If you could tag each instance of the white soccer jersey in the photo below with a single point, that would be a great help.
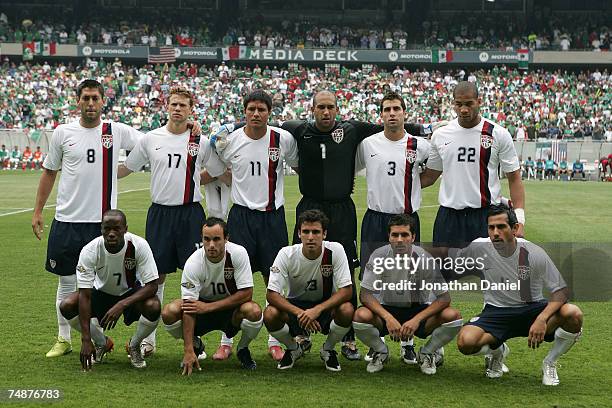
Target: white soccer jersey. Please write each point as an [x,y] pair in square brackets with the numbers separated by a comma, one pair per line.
[529,265]
[217,199]
[392,172]
[306,279]
[176,162]
[115,274]
[402,296]
[88,159]
[469,160]
[209,281]
[257,167]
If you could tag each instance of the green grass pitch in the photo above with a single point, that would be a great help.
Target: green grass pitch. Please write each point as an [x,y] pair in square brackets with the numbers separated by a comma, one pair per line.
[556,211]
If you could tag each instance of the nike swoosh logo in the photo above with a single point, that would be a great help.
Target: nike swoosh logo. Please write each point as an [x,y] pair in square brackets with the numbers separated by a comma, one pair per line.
[447,143]
[236,156]
[100,267]
[157,148]
[307,136]
[355,260]
[71,144]
[375,154]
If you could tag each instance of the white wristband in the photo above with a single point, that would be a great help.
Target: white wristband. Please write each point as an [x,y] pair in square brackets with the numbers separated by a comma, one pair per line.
[520,215]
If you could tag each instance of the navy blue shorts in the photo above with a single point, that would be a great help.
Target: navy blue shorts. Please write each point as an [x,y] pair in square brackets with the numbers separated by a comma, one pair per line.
[403,314]
[458,228]
[66,239]
[101,302]
[374,234]
[262,233]
[295,329]
[505,323]
[174,233]
[220,320]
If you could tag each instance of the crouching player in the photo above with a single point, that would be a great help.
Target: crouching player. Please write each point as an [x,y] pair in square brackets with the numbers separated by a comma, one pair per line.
[315,277]
[520,310]
[410,310]
[216,294]
[110,272]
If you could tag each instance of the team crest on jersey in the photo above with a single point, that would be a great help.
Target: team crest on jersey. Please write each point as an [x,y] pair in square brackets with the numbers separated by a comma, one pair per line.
[486,141]
[130,263]
[274,153]
[524,272]
[228,272]
[188,285]
[80,268]
[193,149]
[107,141]
[411,155]
[52,263]
[274,269]
[337,135]
[327,270]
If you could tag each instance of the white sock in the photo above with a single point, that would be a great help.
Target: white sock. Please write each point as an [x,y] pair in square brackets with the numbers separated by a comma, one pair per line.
[336,333]
[65,287]
[160,295]
[175,329]
[564,341]
[96,332]
[226,341]
[250,330]
[484,350]
[370,336]
[409,342]
[143,329]
[272,341]
[442,335]
[285,337]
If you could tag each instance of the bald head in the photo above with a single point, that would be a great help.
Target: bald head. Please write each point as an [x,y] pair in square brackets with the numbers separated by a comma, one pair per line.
[321,94]
[466,88]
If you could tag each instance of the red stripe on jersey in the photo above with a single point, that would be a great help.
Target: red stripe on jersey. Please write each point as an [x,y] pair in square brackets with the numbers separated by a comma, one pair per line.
[485,156]
[524,274]
[228,274]
[129,265]
[411,145]
[273,151]
[327,273]
[190,167]
[107,167]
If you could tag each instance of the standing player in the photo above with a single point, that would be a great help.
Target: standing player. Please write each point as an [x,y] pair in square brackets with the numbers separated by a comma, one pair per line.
[522,311]
[175,217]
[111,271]
[255,154]
[404,313]
[87,152]
[316,279]
[468,153]
[216,294]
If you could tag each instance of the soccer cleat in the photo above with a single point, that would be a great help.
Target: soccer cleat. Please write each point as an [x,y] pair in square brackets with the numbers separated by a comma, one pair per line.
[223,352]
[147,349]
[408,354]
[427,362]
[330,357]
[60,348]
[378,361]
[349,351]
[505,368]
[244,355]
[135,355]
[369,356]
[290,357]
[496,362]
[276,352]
[101,351]
[549,373]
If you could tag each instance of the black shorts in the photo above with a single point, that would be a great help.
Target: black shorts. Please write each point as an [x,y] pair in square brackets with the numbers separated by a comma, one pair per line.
[403,314]
[174,233]
[505,323]
[549,172]
[324,319]
[458,228]
[66,239]
[101,302]
[374,234]
[262,233]
[221,320]
[342,224]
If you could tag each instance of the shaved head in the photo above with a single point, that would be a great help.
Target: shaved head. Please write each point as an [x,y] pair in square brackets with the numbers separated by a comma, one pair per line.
[466,87]
[323,93]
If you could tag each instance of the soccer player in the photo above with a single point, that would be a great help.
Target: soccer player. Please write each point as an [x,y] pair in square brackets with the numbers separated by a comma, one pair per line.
[521,311]
[540,169]
[87,152]
[26,157]
[549,168]
[468,153]
[4,157]
[316,279]
[15,158]
[37,158]
[216,294]
[256,154]
[116,275]
[577,168]
[407,312]
[529,165]
[177,156]
[562,169]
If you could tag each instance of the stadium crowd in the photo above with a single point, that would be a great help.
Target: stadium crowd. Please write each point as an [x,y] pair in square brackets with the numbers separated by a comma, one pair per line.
[556,104]
[459,31]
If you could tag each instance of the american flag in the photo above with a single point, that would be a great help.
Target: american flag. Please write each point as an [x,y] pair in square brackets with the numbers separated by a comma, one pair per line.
[558,150]
[161,55]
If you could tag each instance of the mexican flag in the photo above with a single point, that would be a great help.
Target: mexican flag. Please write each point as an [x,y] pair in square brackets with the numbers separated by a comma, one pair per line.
[49,49]
[38,48]
[28,50]
[230,53]
[441,56]
[523,58]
